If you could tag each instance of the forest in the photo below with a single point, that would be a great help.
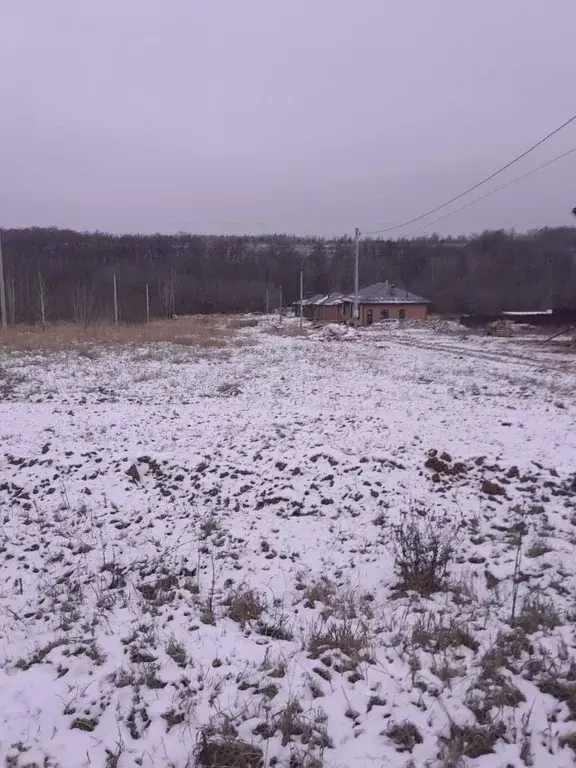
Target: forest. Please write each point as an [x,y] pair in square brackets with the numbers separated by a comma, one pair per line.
[57,274]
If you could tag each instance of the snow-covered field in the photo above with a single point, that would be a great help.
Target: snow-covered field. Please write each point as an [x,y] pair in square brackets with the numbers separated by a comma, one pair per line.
[200,553]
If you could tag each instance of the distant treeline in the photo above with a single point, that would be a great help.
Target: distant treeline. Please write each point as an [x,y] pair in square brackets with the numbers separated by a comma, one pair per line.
[71,273]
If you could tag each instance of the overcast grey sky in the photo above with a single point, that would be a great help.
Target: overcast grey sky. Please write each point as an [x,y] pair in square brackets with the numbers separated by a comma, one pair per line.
[305,116]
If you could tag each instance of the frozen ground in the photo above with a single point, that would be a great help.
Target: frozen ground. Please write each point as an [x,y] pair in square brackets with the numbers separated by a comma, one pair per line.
[199,556]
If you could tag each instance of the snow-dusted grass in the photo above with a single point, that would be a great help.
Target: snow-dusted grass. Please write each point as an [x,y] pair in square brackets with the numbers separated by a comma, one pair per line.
[214,556]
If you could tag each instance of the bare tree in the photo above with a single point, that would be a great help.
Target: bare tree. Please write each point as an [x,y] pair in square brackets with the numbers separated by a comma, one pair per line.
[169,295]
[11,297]
[82,305]
[3,310]
[115,300]
[77,303]
[44,299]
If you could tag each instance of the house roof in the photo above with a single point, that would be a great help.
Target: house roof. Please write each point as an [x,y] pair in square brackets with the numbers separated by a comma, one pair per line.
[331,300]
[378,293]
[388,293]
[311,299]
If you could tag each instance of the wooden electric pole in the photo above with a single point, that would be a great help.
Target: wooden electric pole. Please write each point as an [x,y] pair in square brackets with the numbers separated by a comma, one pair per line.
[115,302]
[280,303]
[356,271]
[3,310]
[147,303]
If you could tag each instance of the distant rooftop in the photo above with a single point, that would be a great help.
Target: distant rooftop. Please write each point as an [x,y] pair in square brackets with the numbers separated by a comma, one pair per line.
[332,299]
[388,293]
[311,299]
[378,293]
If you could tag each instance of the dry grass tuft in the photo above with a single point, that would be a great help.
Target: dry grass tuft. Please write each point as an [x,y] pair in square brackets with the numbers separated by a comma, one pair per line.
[177,652]
[321,591]
[286,330]
[220,752]
[506,652]
[537,613]
[563,690]
[538,548]
[245,605]
[469,741]
[348,636]
[230,388]
[489,694]
[299,759]
[203,331]
[436,634]
[240,322]
[405,735]
[8,382]
[568,740]
[293,723]
[41,653]
[342,601]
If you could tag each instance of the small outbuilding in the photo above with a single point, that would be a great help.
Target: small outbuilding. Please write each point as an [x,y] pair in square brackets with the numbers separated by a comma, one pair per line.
[307,306]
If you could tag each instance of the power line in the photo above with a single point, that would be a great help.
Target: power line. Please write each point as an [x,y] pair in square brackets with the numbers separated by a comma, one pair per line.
[502,186]
[478,184]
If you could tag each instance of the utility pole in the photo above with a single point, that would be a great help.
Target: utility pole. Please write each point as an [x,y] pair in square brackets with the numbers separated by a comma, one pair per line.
[115,302]
[356,260]
[2,290]
[280,303]
[267,302]
[147,303]
[301,294]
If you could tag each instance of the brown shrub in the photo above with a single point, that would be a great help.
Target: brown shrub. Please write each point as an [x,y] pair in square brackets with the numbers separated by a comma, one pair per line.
[424,546]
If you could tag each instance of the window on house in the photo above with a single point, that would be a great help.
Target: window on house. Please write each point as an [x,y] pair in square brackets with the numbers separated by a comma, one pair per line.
[384,314]
[369,317]
[401,314]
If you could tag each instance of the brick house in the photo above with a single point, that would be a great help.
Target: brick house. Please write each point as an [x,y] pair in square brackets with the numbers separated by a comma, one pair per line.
[381,301]
[385,301]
